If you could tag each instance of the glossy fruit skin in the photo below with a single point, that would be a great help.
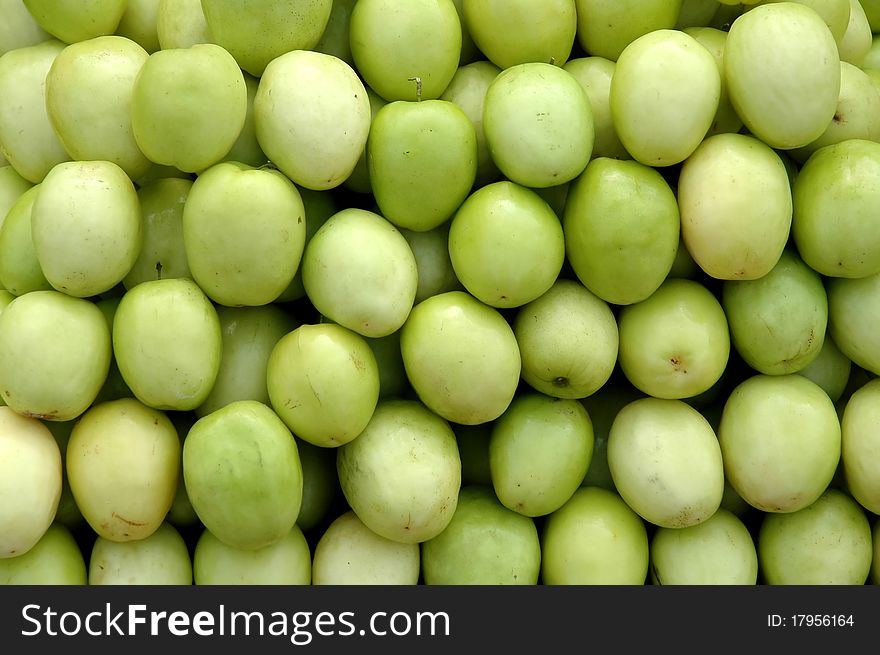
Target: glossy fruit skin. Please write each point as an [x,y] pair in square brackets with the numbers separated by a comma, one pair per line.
[167,342]
[713,39]
[312,117]
[853,311]
[665,461]
[55,559]
[830,369]
[789,103]
[415,149]
[12,186]
[77,21]
[467,89]
[285,562]
[162,253]
[836,194]
[349,553]
[188,106]
[606,27]
[323,381]
[393,52]
[860,441]
[181,24]
[249,334]
[783,423]
[594,539]
[778,321]
[29,141]
[20,270]
[243,474]
[621,224]
[518,31]
[826,542]
[568,341]
[162,558]
[835,13]
[720,551]
[86,227]
[506,245]
[538,124]
[461,357]
[20,29]
[243,233]
[736,184]
[41,373]
[30,486]
[88,99]
[255,33]
[594,74]
[676,342]
[485,543]
[431,251]
[122,462]
[539,452]
[368,290]
[402,474]
[856,117]
[662,111]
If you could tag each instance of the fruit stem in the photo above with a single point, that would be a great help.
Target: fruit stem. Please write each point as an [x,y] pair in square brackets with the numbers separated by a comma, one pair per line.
[418,81]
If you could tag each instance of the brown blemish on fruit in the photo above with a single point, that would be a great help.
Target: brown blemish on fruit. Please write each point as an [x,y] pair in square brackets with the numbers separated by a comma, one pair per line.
[49,416]
[125,520]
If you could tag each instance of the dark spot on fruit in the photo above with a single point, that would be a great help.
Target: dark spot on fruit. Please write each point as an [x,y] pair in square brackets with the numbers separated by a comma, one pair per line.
[560,381]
